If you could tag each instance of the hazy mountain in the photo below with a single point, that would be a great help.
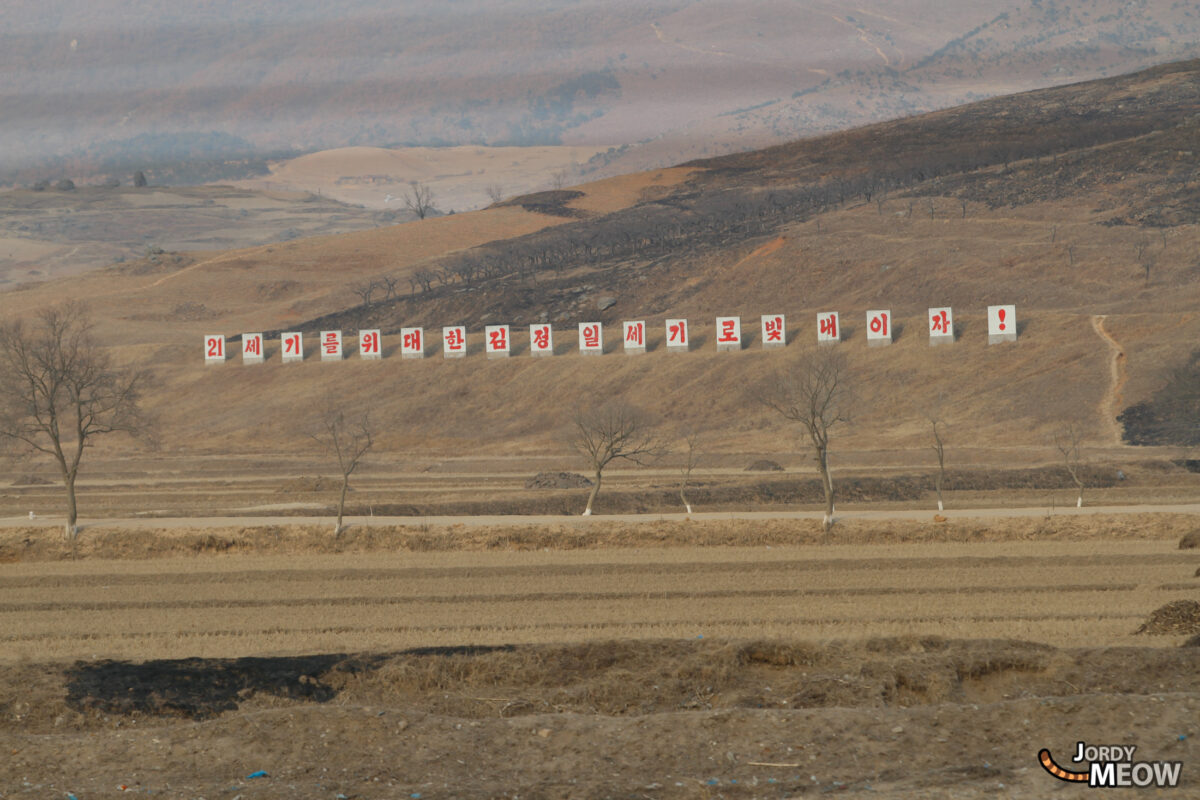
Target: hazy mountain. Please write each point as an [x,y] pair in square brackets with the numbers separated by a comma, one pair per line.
[108,85]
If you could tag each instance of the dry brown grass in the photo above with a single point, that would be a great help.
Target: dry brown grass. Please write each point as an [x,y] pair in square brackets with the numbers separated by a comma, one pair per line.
[282,595]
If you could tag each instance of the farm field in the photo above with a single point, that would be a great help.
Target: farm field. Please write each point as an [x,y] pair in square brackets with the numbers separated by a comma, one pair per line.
[703,659]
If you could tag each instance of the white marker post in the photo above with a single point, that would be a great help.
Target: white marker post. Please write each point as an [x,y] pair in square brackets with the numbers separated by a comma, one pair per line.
[541,340]
[774,331]
[291,345]
[635,337]
[1002,324]
[252,348]
[331,345]
[677,336]
[729,333]
[412,342]
[591,339]
[370,345]
[497,341]
[879,328]
[941,326]
[454,341]
[214,349]
[828,330]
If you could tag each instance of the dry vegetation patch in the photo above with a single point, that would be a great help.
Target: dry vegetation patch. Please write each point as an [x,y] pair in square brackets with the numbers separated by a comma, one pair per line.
[104,541]
[1180,616]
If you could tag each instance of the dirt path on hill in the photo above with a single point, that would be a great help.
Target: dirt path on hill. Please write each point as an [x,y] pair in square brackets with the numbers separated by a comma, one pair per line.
[1110,406]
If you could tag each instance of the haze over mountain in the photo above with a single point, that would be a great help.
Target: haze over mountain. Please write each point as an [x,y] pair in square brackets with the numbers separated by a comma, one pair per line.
[107,86]
[1077,204]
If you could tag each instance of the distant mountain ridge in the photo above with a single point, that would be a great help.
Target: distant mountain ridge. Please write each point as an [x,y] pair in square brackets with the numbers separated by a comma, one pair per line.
[1075,204]
[104,86]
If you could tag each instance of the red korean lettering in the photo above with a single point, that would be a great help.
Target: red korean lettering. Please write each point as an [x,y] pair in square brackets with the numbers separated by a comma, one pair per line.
[879,324]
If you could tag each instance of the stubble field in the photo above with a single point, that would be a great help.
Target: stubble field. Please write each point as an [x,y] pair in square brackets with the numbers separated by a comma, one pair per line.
[727,658]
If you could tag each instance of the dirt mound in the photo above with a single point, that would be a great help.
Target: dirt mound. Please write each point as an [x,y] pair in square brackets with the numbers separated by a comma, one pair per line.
[308,484]
[1180,616]
[1192,642]
[1190,540]
[557,480]
[764,465]
[31,480]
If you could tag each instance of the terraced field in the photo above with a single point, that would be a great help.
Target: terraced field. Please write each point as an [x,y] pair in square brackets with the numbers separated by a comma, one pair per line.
[1065,593]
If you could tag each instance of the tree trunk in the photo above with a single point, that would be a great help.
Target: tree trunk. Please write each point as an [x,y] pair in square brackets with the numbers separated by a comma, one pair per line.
[587,512]
[827,484]
[683,497]
[72,529]
[337,528]
[938,487]
[1079,500]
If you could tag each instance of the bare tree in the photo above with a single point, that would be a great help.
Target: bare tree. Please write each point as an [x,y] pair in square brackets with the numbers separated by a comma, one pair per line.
[366,291]
[559,178]
[388,283]
[59,391]
[495,192]
[1068,441]
[613,431]
[933,414]
[815,394]
[345,436]
[691,457]
[419,199]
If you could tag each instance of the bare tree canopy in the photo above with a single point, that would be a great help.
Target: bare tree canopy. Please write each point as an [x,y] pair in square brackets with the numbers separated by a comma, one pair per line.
[691,457]
[934,412]
[814,393]
[610,432]
[59,391]
[344,435]
[1068,441]
[419,199]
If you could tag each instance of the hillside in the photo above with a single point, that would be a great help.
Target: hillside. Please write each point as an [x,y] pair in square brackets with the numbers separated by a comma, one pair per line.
[211,91]
[1076,204]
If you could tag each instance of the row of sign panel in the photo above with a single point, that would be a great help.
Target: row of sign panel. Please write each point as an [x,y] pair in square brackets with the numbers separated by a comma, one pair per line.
[497,338]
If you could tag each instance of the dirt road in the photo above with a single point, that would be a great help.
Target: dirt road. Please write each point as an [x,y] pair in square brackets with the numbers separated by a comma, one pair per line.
[527,520]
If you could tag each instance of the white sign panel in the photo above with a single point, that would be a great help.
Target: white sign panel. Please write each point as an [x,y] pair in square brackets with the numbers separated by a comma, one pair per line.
[941,325]
[252,348]
[496,340]
[729,333]
[591,338]
[1002,324]
[635,337]
[879,327]
[774,330]
[828,331]
[291,346]
[412,342]
[370,345]
[454,341]
[541,340]
[331,345]
[214,349]
[677,335]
